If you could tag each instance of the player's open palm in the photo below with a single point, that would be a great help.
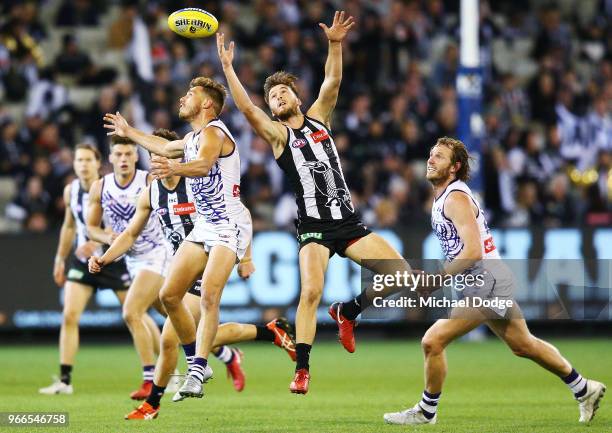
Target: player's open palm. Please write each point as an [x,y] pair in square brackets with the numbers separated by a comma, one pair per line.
[116,124]
[340,27]
[226,55]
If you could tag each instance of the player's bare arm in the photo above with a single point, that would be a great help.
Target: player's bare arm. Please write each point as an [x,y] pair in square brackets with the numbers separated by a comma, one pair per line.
[212,143]
[459,209]
[66,240]
[274,133]
[117,125]
[94,216]
[126,239]
[323,107]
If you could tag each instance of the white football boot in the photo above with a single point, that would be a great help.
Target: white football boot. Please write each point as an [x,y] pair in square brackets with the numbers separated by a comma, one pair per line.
[589,402]
[57,387]
[412,416]
[175,382]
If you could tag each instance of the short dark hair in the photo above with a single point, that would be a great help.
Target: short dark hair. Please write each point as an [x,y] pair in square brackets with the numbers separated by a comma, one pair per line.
[459,155]
[280,77]
[166,133]
[91,147]
[215,90]
[115,139]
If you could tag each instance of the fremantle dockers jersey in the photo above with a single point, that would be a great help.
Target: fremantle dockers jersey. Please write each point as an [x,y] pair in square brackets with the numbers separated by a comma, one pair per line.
[119,206]
[79,206]
[447,233]
[217,195]
[175,209]
[311,162]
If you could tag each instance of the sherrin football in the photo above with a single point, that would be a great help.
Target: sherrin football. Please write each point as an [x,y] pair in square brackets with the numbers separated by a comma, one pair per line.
[193,23]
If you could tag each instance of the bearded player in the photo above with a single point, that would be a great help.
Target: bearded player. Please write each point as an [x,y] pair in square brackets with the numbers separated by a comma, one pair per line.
[79,284]
[222,229]
[112,203]
[327,221]
[173,202]
[464,236]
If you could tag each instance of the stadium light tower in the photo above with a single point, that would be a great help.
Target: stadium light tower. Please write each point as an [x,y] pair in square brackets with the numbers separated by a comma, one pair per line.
[469,89]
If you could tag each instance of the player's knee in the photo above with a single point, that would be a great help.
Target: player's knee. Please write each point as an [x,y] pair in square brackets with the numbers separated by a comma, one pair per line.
[168,299]
[432,344]
[130,316]
[311,295]
[168,344]
[71,318]
[210,300]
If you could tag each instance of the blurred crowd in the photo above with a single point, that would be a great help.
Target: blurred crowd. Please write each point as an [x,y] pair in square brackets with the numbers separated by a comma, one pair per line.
[547,103]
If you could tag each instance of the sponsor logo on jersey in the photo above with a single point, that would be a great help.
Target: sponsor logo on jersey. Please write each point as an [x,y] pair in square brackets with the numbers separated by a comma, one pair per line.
[183,208]
[319,136]
[489,245]
[236,191]
[314,235]
[298,143]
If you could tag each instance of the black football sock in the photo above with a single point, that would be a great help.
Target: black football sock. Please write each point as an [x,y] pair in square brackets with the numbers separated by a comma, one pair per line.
[264,334]
[355,306]
[302,352]
[65,373]
[157,392]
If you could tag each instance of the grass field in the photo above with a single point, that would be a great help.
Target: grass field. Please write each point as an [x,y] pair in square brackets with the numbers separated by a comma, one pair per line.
[488,390]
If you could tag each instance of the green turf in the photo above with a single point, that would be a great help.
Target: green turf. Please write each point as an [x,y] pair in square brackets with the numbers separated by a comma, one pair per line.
[488,390]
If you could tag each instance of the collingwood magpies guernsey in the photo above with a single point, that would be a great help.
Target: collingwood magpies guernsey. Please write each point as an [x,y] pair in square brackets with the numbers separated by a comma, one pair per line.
[119,206]
[79,205]
[217,195]
[446,231]
[310,161]
[175,209]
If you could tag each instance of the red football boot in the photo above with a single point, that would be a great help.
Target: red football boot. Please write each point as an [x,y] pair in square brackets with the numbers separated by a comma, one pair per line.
[142,392]
[346,327]
[234,370]
[283,335]
[145,412]
[300,382]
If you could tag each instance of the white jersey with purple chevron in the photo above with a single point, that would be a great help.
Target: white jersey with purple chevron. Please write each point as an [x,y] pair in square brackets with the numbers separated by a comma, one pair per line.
[79,206]
[217,195]
[446,231]
[119,206]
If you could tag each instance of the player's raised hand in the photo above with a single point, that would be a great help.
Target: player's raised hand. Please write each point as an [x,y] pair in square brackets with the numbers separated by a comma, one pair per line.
[116,124]
[226,55]
[340,27]
[59,266]
[95,264]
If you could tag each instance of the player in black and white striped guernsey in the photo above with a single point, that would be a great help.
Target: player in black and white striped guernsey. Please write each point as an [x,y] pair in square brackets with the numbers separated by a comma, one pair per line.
[77,282]
[173,202]
[327,222]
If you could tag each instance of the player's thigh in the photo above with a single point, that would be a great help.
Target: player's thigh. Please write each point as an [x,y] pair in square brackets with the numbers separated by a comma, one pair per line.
[314,259]
[513,331]
[221,261]
[372,247]
[143,292]
[444,331]
[186,267]
[76,297]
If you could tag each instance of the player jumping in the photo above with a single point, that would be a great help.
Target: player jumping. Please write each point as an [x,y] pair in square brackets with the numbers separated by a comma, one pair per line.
[327,222]
[78,283]
[222,229]
[460,225]
[112,200]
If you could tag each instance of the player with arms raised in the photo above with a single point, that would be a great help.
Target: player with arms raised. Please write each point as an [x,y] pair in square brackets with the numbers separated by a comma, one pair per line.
[327,222]
[460,225]
[78,283]
[112,202]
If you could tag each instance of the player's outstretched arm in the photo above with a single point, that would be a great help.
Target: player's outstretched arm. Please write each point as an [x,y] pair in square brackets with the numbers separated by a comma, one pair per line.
[94,216]
[272,132]
[211,144]
[66,239]
[126,239]
[117,125]
[328,94]
[458,208]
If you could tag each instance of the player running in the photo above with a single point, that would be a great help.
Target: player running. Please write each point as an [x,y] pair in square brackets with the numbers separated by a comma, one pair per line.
[78,283]
[327,221]
[173,203]
[462,230]
[222,229]
[112,201]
